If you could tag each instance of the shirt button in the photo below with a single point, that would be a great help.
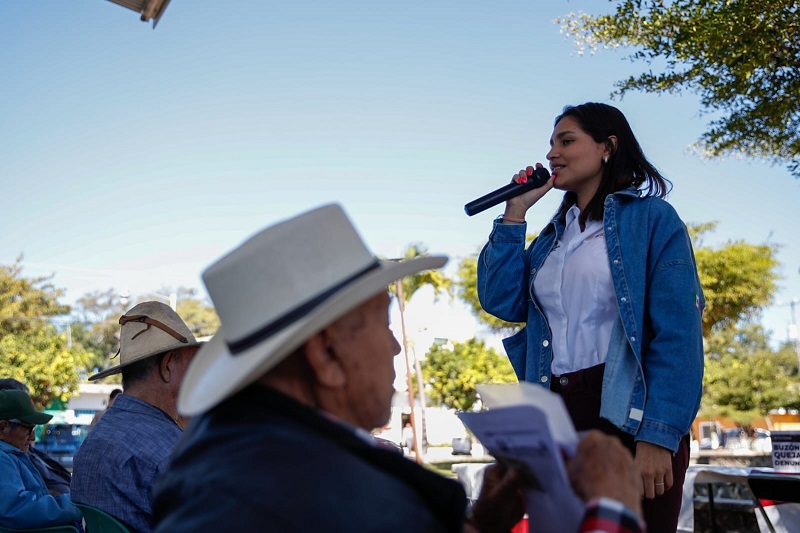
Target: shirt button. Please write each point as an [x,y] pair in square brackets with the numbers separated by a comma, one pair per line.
[623,299]
[616,261]
[545,343]
[564,380]
[543,379]
[633,339]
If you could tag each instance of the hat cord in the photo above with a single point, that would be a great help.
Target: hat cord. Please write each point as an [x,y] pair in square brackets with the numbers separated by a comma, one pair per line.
[144,319]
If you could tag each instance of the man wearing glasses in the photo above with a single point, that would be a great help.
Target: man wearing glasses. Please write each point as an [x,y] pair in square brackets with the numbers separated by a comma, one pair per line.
[116,466]
[25,502]
[56,477]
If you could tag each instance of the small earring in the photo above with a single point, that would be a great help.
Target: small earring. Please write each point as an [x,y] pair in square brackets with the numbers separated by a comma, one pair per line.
[605,159]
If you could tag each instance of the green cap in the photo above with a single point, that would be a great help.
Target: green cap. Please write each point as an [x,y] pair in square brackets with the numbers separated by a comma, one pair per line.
[17,405]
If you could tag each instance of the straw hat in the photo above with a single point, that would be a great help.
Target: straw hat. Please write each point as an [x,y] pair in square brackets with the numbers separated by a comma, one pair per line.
[276,290]
[148,329]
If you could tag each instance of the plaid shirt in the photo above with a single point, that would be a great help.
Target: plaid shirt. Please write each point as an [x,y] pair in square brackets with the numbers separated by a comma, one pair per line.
[116,466]
[604,515]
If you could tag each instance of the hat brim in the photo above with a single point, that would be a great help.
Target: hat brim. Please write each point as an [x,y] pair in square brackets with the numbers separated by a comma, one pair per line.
[35,418]
[216,374]
[117,369]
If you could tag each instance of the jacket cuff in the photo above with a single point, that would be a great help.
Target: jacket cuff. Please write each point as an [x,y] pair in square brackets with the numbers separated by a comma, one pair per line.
[507,232]
[659,434]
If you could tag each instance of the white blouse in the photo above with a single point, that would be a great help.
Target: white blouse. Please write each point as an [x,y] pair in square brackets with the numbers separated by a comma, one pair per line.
[576,293]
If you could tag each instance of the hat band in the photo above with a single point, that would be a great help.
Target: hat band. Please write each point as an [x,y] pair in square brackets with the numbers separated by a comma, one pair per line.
[237,347]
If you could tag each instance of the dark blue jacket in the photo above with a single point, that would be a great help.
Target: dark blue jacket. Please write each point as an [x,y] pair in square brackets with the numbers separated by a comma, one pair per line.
[261,461]
[56,477]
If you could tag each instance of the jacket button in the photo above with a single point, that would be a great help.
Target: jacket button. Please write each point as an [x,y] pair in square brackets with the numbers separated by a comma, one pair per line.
[633,339]
[623,299]
[616,261]
[545,343]
[543,379]
[564,380]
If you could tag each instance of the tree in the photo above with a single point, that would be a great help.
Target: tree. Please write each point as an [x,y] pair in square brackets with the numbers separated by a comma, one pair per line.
[738,279]
[26,303]
[31,349]
[96,325]
[198,314]
[451,373]
[744,378]
[741,56]
[404,290]
[42,360]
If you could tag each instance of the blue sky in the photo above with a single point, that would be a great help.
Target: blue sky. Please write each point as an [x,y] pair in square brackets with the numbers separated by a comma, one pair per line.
[131,158]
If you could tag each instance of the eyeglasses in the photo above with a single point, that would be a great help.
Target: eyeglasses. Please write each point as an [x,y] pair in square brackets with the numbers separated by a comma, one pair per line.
[28,427]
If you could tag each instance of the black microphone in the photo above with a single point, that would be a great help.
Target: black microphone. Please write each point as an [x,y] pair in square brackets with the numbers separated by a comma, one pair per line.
[539,178]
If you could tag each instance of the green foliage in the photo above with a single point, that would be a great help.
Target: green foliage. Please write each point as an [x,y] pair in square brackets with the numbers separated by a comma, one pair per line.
[744,378]
[42,360]
[96,328]
[198,314]
[742,57]
[26,303]
[738,279]
[450,374]
[31,350]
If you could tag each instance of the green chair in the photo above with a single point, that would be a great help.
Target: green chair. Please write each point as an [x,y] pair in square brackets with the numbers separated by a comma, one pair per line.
[51,529]
[98,521]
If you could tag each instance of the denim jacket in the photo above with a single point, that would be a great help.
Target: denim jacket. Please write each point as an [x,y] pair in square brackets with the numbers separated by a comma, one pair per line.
[25,502]
[654,369]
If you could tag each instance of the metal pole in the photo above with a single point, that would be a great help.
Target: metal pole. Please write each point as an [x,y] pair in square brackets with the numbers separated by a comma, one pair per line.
[796,333]
[421,391]
[409,381]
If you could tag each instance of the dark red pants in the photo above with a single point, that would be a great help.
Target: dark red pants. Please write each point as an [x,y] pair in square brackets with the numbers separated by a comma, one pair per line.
[581,392]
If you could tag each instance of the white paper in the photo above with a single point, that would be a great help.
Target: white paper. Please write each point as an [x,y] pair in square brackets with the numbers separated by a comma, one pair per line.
[518,431]
[559,423]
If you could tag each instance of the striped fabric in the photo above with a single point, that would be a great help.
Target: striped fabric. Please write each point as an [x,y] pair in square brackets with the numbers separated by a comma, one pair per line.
[604,515]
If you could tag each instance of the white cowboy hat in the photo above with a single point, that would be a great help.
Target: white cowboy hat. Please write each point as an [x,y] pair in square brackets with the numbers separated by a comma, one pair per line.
[276,290]
[148,329]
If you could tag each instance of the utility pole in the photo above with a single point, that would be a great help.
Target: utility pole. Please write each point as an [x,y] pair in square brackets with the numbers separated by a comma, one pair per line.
[793,333]
[409,381]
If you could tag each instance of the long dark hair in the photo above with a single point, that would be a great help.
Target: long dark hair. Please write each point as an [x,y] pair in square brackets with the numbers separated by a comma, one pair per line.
[627,166]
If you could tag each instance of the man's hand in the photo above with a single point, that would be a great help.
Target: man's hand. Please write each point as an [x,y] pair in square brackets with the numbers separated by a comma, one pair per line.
[501,503]
[603,468]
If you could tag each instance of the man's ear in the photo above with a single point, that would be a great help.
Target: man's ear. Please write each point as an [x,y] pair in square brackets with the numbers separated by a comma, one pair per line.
[164,364]
[326,367]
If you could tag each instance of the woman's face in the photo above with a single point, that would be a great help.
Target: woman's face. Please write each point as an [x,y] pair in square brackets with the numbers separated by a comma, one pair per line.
[576,159]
